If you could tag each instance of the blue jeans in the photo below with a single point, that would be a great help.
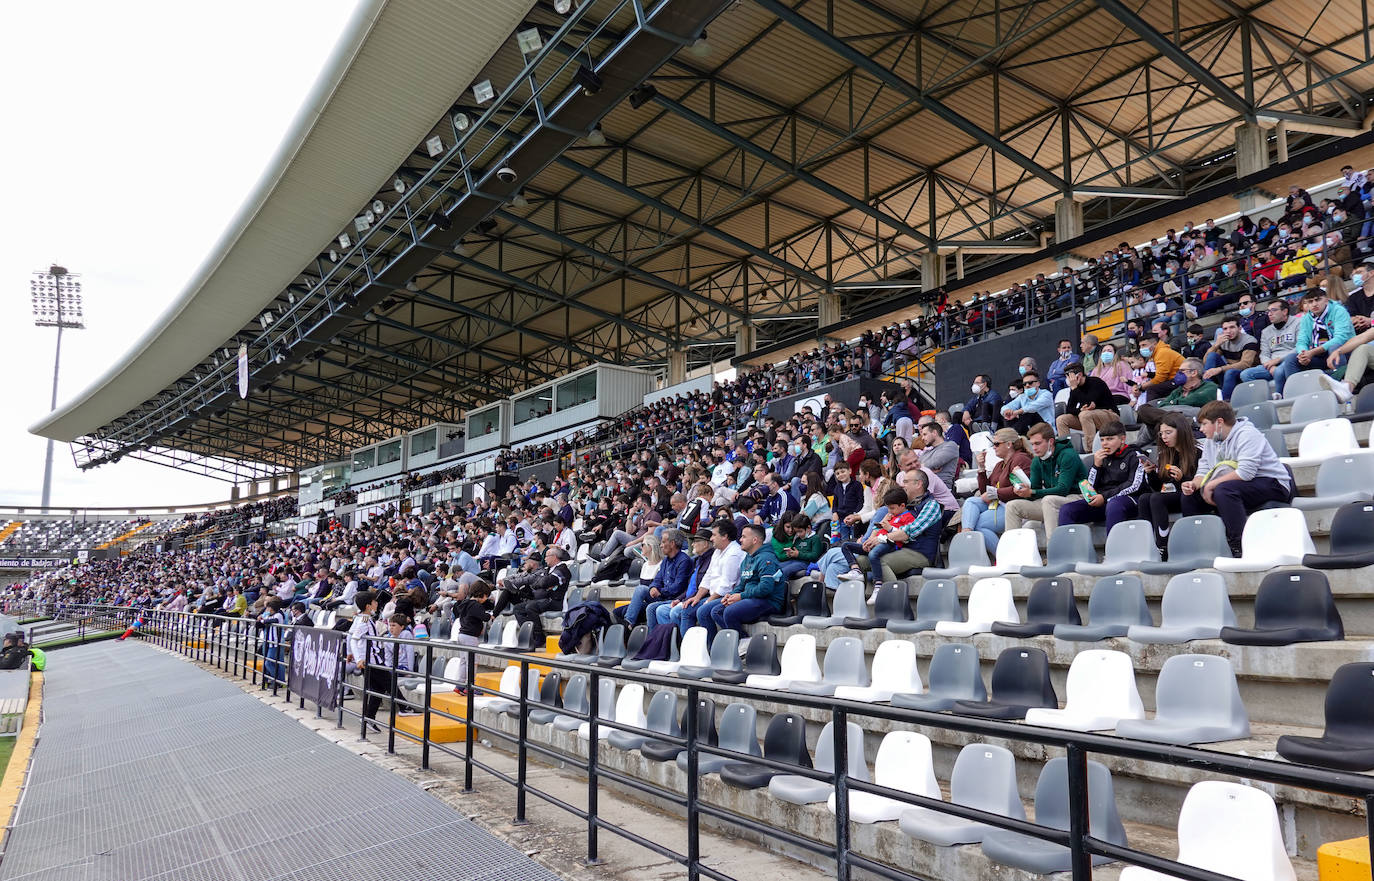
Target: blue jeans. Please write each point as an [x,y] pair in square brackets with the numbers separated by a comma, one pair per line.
[682,617]
[1250,374]
[976,515]
[832,565]
[1117,509]
[702,615]
[792,568]
[654,610]
[1229,378]
[736,615]
[1292,365]
[637,602]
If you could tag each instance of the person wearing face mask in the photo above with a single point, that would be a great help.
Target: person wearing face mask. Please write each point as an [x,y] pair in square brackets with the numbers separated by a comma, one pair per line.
[1115,372]
[1324,330]
[1055,375]
[1278,340]
[1195,343]
[1032,406]
[1162,362]
[983,411]
[804,461]
[1251,321]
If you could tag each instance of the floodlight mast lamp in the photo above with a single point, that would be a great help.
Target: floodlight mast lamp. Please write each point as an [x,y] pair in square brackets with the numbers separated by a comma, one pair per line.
[56,296]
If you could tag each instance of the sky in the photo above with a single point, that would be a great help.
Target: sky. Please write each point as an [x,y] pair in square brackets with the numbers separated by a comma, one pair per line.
[134,132]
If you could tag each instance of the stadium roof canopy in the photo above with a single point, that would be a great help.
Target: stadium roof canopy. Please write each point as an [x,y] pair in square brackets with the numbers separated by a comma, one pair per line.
[677,169]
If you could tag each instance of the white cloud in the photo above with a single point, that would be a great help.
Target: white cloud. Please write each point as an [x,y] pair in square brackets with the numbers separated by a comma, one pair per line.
[134,131]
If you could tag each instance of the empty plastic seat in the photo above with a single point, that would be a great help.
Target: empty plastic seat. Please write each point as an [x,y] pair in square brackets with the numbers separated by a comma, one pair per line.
[1020,682]
[1348,741]
[1352,539]
[524,639]
[801,790]
[1311,408]
[810,600]
[633,663]
[1272,537]
[798,665]
[844,665]
[1278,441]
[1068,546]
[938,600]
[1099,693]
[903,763]
[891,603]
[1195,606]
[605,707]
[724,655]
[663,751]
[894,672]
[965,549]
[629,710]
[693,652]
[509,633]
[1194,542]
[1323,439]
[989,601]
[955,674]
[1341,479]
[1052,810]
[450,671]
[1049,603]
[760,659]
[1016,548]
[1304,382]
[661,719]
[550,700]
[617,647]
[783,741]
[848,603]
[572,598]
[1251,392]
[737,734]
[984,778]
[1114,606]
[508,688]
[1262,414]
[1129,544]
[1197,700]
[574,700]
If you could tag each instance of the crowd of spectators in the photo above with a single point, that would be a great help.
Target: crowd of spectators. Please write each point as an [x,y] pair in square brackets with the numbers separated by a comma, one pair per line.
[239,517]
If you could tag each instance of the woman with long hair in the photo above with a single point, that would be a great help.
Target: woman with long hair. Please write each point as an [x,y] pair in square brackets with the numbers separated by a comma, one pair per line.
[815,504]
[986,511]
[1112,369]
[1175,464]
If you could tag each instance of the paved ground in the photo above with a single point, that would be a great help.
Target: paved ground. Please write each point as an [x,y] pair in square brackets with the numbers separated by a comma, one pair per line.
[149,767]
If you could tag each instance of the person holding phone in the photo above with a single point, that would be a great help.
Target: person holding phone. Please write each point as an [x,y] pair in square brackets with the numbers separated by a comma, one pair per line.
[1174,465]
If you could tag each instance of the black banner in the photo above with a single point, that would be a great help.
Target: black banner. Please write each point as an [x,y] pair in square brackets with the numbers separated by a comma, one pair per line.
[314,672]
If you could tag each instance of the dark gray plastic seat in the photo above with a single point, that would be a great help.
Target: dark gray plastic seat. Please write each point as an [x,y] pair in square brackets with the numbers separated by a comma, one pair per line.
[549,699]
[633,663]
[955,674]
[892,603]
[1020,682]
[843,665]
[664,751]
[574,598]
[1291,606]
[783,741]
[937,601]
[661,719]
[1194,542]
[810,600]
[738,732]
[848,603]
[633,643]
[1340,480]
[1115,605]
[1351,541]
[1052,810]
[965,549]
[1068,546]
[1195,606]
[803,790]
[1197,700]
[760,658]
[984,777]
[1129,544]
[1049,604]
[574,699]
[724,656]
[613,647]
[1347,743]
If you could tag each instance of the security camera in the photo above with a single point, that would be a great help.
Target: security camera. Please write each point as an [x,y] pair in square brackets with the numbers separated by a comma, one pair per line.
[505,174]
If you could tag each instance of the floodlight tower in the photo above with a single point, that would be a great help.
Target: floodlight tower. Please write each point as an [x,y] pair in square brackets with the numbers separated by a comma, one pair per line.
[56,295]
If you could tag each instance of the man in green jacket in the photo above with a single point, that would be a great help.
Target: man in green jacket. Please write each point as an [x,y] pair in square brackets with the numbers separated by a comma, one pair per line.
[1194,392]
[1056,470]
[761,589]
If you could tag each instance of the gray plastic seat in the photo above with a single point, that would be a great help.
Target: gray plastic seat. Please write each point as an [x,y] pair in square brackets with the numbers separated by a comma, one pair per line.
[1278,441]
[549,699]
[1197,700]
[598,640]
[724,656]
[801,790]
[1311,408]
[891,603]
[1341,480]
[965,549]
[984,777]
[613,647]
[1114,606]
[1252,392]
[1304,382]
[938,600]
[665,751]
[574,699]
[633,663]
[849,602]
[661,719]
[1262,414]
[1195,606]
[1049,604]
[843,665]
[574,598]
[1052,810]
[605,707]
[955,674]
[761,658]
[1194,542]
[1068,546]
[737,732]
[1129,544]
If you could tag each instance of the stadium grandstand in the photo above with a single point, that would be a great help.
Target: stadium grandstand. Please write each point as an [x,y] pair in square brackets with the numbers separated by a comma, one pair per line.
[895,440]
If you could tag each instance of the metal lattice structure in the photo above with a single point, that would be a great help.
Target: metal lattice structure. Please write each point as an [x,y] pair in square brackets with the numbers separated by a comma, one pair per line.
[681,170]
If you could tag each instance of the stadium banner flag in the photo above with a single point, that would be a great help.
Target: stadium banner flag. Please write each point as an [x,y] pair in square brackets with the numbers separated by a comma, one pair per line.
[314,670]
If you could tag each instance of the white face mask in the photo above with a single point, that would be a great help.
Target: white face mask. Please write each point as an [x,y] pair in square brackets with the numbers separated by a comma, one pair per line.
[977,389]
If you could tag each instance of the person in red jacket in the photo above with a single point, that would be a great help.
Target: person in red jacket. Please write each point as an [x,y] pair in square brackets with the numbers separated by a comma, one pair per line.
[986,512]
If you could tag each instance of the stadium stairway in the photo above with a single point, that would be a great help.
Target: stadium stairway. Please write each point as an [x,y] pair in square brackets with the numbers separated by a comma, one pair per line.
[10,529]
[125,537]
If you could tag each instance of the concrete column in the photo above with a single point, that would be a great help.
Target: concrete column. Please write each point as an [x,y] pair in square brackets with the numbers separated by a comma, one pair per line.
[1252,199]
[1252,149]
[828,310]
[1068,220]
[1281,142]
[745,340]
[932,270]
[677,366]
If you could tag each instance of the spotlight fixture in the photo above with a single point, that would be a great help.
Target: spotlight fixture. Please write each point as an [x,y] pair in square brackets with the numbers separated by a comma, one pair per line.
[642,95]
[440,220]
[562,7]
[505,174]
[461,121]
[398,185]
[588,79]
[701,48]
[596,137]
[529,41]
[333,256]
[344,240]
[412,286]
[483,92]
[378,206]
[362,223]
[520,201]
[434,146]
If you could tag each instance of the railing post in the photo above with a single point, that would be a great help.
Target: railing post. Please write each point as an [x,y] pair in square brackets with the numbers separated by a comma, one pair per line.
[469,733]
[1080,859]
[593,711]
[839,730]
[429,690]
[693,789]
[522,751]
[367,670]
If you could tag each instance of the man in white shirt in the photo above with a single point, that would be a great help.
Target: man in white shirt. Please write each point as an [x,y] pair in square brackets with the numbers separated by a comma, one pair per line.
[722,576]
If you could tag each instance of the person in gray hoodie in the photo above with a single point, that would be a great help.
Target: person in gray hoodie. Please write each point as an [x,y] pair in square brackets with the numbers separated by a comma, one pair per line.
[1238,472]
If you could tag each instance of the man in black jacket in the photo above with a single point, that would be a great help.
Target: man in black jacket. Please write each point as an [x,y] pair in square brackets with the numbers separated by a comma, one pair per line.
[983,411]
[1090,407]
[1117,478]
[539,592]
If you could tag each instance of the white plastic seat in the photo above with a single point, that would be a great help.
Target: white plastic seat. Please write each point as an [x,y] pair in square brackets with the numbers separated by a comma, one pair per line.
[629,710]
[989,602]
[450,671]
[904,763]
[510,685]
[1228,828]
[1015,549]
[1272,537]
[894,672]
[1322,439]
[693,652]
[798,664]
[849,603]
[1100,692]
[509,635]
